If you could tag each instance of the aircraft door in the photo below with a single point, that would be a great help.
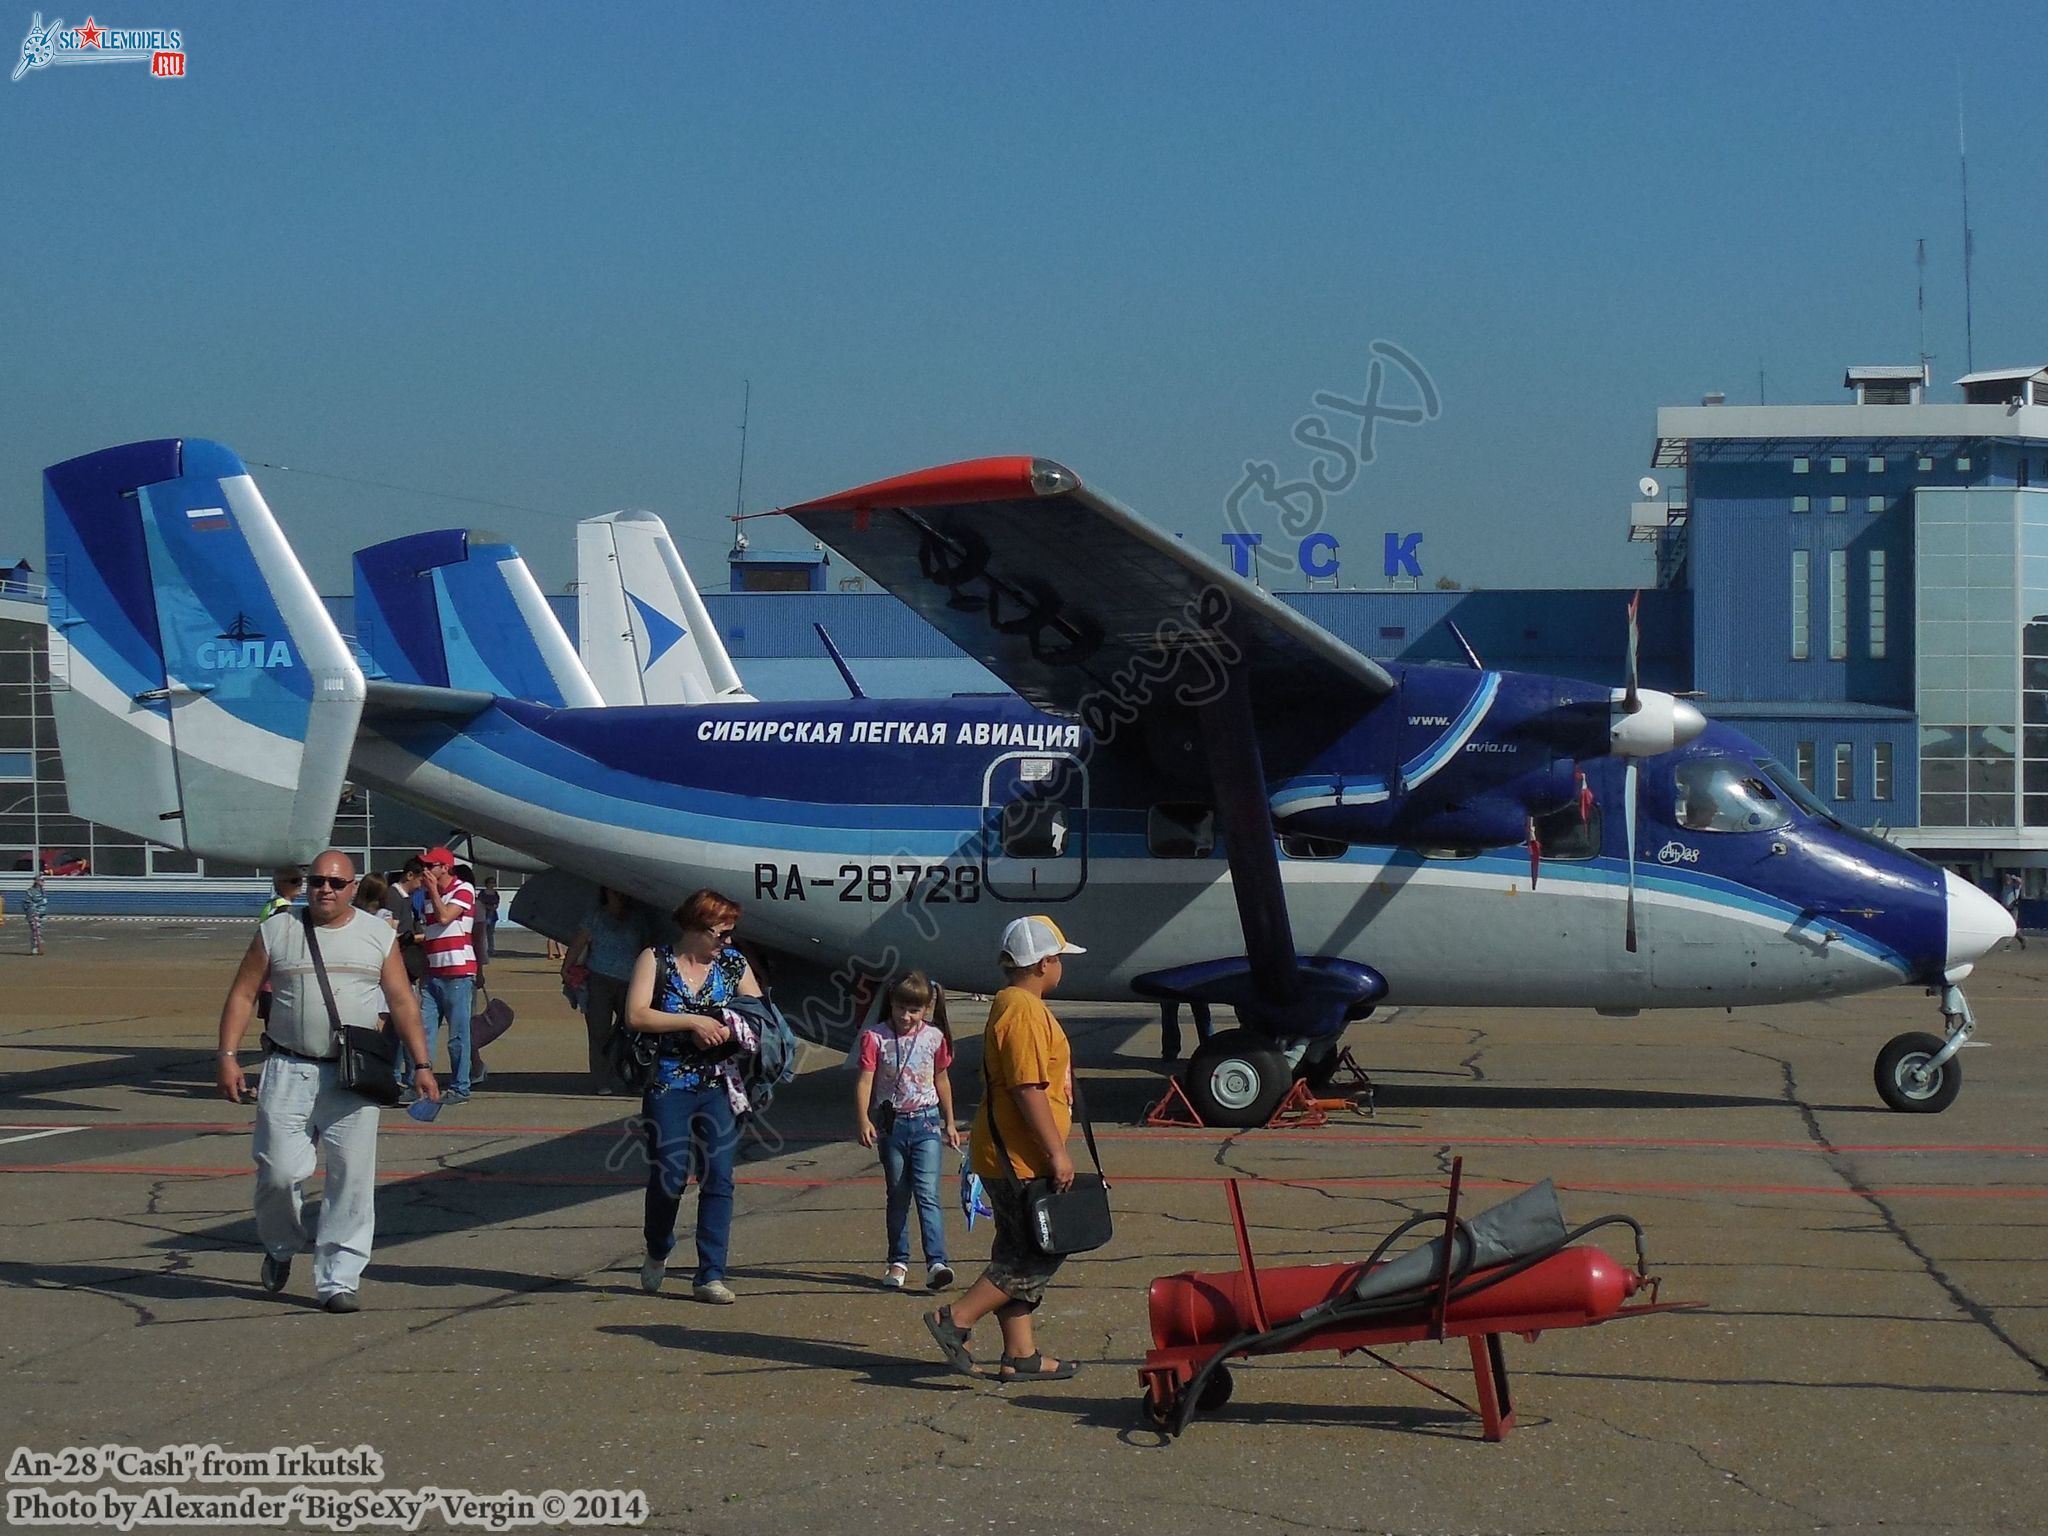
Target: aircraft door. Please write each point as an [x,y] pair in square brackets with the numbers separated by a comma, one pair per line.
[1035,826]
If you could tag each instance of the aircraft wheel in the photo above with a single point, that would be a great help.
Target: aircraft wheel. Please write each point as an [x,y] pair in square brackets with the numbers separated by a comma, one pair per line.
[1237,1079]
[1216,1390]
[1901,1090]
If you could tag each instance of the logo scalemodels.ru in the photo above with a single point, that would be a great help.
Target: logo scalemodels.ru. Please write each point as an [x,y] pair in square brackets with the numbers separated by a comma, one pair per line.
[161,48]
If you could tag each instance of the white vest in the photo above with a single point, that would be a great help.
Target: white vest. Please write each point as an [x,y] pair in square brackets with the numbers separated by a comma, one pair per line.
[354,954]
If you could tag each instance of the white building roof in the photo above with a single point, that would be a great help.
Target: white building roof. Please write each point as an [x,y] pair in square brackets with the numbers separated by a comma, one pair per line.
[1996,375]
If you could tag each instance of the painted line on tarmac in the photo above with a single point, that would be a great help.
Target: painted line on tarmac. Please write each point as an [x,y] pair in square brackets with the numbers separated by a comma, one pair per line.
[1279,1136]
[36,1134]
[1361,1182]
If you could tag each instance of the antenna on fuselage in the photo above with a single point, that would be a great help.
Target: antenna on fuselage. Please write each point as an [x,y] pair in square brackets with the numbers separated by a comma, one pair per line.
[852,685]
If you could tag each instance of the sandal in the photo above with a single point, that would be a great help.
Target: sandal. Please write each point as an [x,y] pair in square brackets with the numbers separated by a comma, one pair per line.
[1031,1367]
[952,1341]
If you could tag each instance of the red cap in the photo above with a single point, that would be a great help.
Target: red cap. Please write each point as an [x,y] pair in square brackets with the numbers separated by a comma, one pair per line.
[438,856]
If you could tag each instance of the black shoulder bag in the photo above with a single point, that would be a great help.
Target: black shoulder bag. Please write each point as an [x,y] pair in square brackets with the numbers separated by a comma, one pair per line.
[369,1057]
[1073,1220]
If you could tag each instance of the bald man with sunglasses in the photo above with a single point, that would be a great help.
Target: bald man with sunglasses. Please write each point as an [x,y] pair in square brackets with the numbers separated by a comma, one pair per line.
[302,1108]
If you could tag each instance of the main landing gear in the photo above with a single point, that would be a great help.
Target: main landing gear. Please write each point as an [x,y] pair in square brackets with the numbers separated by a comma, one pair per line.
[1239,1078]
[1918,1073]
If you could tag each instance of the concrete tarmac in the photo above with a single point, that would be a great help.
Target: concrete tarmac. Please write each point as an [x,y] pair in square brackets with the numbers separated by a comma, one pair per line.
[1874,1351]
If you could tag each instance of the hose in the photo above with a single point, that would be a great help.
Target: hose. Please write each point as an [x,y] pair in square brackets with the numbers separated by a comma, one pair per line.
[1330,1314]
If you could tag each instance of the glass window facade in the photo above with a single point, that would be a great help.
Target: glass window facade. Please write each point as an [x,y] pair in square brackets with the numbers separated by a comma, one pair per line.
[1881,771]
[1981,592]
[1877,605]
[1838,605]
[1802,602]
[1845,771]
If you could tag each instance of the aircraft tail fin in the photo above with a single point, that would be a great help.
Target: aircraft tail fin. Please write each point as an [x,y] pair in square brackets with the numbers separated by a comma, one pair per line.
[203,696]
[459,609]
[646,636]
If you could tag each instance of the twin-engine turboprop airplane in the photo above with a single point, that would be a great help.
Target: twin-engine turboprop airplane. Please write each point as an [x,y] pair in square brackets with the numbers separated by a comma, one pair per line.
[1221,800]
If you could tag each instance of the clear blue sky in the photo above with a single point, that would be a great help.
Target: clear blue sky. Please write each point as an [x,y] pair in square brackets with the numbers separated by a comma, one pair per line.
[529,254]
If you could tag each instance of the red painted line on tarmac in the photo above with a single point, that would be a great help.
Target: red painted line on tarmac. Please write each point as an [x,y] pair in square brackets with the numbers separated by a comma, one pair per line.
[1365,1136]
[793,1181]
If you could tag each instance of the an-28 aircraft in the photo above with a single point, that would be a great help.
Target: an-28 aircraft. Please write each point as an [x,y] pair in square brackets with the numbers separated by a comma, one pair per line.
[1220,799]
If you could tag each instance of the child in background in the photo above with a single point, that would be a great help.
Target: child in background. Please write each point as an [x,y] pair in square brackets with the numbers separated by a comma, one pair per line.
[903,1104]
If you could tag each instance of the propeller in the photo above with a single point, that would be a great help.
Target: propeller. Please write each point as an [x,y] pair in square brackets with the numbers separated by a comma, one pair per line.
[1631,703]
[1629,824]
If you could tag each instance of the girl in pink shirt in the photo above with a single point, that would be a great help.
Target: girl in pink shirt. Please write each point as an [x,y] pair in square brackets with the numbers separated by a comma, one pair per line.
[903,1105]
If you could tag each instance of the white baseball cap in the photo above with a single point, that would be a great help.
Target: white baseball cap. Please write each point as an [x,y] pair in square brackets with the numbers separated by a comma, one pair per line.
[1029,940]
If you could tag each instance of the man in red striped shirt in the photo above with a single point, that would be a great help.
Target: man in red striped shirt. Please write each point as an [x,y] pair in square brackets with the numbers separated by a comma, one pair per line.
[449,989]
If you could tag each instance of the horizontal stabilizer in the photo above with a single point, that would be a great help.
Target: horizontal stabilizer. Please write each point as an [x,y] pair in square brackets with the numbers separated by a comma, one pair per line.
[207,702]
[455,609]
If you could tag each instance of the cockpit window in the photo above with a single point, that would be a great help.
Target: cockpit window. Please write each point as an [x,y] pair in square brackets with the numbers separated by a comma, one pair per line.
[1718,794]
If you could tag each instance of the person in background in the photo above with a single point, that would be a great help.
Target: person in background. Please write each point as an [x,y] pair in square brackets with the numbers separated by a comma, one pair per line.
[401,905]
[449,991]
[1169,1027]
[903,1103]
[2010,889]
[488,901]
[35,906]
[371,891]
[690,1109]
[287,889]
[605,944]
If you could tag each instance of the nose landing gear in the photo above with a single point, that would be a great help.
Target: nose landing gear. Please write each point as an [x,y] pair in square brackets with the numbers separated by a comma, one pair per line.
[1917,1073]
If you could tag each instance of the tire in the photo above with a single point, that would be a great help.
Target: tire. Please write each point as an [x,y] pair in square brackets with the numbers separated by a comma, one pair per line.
[1897,1088]
[1237,1079]
[1216,1390]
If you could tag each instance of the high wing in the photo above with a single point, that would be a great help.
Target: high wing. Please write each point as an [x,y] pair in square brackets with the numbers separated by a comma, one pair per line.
[1064,593]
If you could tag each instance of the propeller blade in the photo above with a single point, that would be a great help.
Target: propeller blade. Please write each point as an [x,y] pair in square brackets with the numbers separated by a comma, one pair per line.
[1585,800]
[1535,854]
[1631,701]
[1629,819]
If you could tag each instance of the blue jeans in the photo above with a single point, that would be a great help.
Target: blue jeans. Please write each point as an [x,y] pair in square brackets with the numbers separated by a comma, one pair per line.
[910,1167]
[451,997]
[690,1131]
[1169,1025]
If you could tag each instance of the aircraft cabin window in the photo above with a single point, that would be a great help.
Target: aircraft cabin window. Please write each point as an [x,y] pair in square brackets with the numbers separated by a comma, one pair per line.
[1034,829]
[1180,831]
[1718,794]
[1299,845]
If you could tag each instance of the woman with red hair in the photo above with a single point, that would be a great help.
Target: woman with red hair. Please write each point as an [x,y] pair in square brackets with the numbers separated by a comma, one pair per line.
[694,1094]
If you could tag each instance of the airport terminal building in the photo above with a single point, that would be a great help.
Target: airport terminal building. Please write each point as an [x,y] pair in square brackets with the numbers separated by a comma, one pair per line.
[1861,587]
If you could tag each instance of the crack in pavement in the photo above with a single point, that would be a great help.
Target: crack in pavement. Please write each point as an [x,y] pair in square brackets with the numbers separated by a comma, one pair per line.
[1710,1464]
[1838,1164]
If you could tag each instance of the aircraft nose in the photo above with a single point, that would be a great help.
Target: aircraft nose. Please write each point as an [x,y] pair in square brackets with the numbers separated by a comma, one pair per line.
[1976,925]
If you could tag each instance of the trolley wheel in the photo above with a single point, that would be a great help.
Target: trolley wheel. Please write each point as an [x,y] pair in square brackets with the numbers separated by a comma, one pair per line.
[1158,1412]
[1237,1079]
[1216,1390]
[1898,1084]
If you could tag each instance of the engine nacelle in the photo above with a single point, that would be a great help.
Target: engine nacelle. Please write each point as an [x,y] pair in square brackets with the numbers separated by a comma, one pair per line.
[1660,723]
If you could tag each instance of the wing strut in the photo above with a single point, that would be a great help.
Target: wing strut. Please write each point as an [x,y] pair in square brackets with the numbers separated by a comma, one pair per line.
[1230,740]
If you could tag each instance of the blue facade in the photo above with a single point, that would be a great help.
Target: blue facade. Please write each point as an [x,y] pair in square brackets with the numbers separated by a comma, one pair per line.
[1844,680]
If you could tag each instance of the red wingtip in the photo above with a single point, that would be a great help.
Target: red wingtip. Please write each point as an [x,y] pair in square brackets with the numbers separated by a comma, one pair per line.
[1010,478]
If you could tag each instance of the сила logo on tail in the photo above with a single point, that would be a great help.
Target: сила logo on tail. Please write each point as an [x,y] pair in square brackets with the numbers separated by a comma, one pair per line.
[245,648]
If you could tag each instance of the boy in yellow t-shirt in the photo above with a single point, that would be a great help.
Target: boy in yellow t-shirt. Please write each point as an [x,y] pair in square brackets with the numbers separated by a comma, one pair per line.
[1030,1094]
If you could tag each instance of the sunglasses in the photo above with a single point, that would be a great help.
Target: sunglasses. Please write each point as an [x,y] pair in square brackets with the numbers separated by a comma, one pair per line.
[331,882]
[723,933]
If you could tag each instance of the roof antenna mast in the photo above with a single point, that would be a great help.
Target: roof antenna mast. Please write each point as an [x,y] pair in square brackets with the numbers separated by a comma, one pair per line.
[1920,296]
[1969,239]
[746,408]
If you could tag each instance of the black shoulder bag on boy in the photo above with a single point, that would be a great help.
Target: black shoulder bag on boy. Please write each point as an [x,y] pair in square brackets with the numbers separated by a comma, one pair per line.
[369,1057]
[1063,1221]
